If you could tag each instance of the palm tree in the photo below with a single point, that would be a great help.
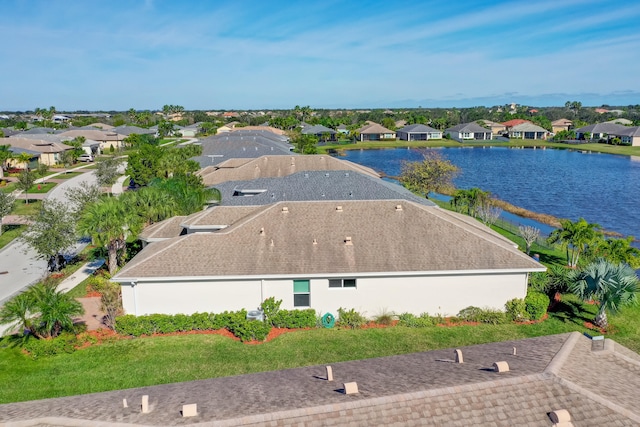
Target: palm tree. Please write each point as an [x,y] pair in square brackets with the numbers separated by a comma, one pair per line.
[612,285]
[575,237]
[24,158]
[109,222]
[56,310]
[619,250]
[151,203]
[473,199]
[17,312]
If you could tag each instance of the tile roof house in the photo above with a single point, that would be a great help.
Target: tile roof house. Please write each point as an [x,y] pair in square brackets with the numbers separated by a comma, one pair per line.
[468,131]
[594,383]
[514,122]
[371,255]
[495,127]
[375,132]
[528,131]
[418,132]
[561,125]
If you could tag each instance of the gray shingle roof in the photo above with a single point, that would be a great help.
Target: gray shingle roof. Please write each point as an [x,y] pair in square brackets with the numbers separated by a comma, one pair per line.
[418,128]
[241,144]
[547,374]
[385,240]
[606,127]
[467,127]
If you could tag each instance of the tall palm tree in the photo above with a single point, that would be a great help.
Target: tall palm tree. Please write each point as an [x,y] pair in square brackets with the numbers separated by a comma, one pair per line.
[575,237]
[109,222]
[612,285]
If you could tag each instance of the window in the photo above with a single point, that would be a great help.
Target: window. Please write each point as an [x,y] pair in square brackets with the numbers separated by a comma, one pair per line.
[301,293]
[342,283]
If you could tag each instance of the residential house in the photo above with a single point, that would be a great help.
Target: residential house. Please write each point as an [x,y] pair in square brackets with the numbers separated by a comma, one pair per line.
[418,132]
[514,122]
[127,130]
[89,146]
[106,138]
[495,127]
[323,133]
[375,132]
[46,152]
[600,131]
[343,129]
[242,144]
[629,136]
[468,131]
[561,125]
[394,255]
[528,131]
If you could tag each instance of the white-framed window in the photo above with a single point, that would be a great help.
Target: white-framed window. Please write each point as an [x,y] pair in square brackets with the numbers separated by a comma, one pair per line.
[301,293]
[342,283]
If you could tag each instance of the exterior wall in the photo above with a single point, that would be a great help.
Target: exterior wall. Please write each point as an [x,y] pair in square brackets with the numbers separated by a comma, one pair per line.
[445,294]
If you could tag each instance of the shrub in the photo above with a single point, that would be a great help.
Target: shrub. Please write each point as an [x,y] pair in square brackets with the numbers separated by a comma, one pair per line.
[516,310]
[384,318]
[270,307]
[536,304]
[413,321]
[350,319]
[294,319]
[134,325]
[63,343]
[483,315]
[250,330]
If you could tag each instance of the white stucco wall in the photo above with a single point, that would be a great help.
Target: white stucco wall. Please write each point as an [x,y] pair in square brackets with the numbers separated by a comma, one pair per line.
[445,294]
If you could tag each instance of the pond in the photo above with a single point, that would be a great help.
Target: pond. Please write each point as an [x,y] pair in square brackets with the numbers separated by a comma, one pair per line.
[601,188]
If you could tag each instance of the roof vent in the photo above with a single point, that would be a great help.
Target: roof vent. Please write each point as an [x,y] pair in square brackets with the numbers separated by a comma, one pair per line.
[560,417]
[346,174]
[285,209]
[458,356]
[271,244]
[347,241]
[262,231]
[501,367]
[315,241]
[338,208]
[306,175]
[398,208]
[326,174]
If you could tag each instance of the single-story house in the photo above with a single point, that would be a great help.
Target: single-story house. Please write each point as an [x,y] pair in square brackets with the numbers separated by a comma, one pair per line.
[375,132]
[418,132]
[47,152]
[343,129]
[561,125]
[528,131]
[106,138]
[600,131]
[630,136]
[496,128]
[373,256]
[468,131]
[323,133]
[514,122]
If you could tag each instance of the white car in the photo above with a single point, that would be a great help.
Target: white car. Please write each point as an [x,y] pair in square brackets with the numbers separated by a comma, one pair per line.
[85,158]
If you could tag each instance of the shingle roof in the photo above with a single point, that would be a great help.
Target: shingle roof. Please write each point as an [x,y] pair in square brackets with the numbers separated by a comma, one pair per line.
[605,127]
[374,128]
[468,127]
[275,166]
[385,239]
[317,129]
[528,127]
[96,135]
[547,374]
[128,130]
[241,144]
[561,122]
[418,128]
[36,145]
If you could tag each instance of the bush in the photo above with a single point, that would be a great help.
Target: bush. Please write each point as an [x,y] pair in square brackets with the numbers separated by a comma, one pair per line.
[413,321]
[536,304]
[250,330]
[63,343]
[294,319]
[483,315]
[270,307]
[516,310]
[384,318]
[350,319]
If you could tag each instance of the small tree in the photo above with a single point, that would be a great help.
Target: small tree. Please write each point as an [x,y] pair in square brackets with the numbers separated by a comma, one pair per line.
[81,196]
[488,213]
[67,158]
[433,173]
[529,234]
[25,182]
[51,232]
[111,304]
[6,205]
[611,285]
[107,171]
[42,171]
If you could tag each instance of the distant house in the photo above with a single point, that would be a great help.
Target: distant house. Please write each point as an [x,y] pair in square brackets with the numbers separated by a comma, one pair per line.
[468,131]
[46,152]
[600,131]
[322,132]
[528,131]
[495,127]
[561,125]
[375,132]
[107,138]
[514,122]
[630,136]
[418,132]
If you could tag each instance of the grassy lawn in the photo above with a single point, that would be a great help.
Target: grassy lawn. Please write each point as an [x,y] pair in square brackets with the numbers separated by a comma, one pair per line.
[68,175]
[147,361]
[8,188]
[601,148]
[22,208]
[10,232]
[42,188]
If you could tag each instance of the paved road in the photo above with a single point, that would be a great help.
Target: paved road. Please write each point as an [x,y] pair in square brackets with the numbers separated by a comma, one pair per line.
[19,264]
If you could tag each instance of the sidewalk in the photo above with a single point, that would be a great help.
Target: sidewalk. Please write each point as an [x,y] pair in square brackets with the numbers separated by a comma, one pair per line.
[81,274]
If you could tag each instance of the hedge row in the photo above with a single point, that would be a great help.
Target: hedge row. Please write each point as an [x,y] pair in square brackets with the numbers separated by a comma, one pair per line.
[236,322]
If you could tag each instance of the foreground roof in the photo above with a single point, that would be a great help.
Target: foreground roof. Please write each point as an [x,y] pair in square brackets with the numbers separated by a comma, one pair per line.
[333,237]
[550,373]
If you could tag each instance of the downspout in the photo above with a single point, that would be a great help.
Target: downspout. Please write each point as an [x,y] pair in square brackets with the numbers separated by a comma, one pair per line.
[261,290]
[135,298]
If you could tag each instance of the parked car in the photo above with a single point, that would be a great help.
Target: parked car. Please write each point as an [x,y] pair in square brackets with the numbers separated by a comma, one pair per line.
[85,158]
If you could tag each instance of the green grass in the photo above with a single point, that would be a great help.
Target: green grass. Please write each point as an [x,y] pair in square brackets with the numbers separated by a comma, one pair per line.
[68,175]
[42,188]
[147,361]
[601,148]
[22,208]
[9,233]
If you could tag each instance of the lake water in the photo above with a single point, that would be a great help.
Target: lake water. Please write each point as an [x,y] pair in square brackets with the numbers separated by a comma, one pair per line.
[600,188]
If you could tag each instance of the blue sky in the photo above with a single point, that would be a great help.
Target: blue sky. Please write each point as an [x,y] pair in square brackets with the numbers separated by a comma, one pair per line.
[117,54]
